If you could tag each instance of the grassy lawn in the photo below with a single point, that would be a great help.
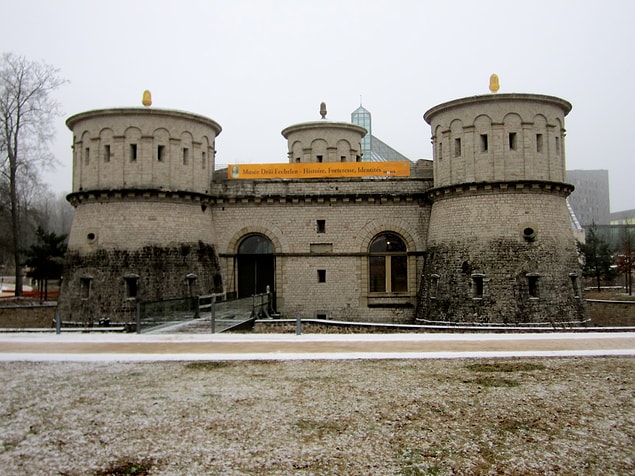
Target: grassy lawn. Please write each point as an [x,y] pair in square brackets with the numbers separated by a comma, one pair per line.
[354,417]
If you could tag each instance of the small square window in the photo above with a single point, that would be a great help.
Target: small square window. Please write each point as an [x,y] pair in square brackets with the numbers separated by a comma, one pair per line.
[319,158]
[321,226]
[321,275]
[342,158]
[297,160]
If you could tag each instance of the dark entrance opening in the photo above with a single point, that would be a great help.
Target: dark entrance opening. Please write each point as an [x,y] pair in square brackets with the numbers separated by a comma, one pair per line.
[256,266]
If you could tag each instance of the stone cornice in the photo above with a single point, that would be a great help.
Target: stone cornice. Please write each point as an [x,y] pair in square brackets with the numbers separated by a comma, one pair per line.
[148,112]
[507,187]
[207,200]
[564,105]
[320,199]
[138,194]
[307,126]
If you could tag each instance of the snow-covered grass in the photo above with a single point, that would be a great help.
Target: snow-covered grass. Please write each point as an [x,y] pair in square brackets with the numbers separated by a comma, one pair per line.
[354,417]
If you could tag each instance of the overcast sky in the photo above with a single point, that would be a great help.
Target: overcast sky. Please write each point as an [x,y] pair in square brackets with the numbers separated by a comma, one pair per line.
[258,66]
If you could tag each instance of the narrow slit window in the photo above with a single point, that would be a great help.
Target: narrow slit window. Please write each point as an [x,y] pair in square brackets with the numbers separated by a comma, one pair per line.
[86,155]
[557,145]
[132,286]
[160,153]
[191,279]
[477,286]
[532,283]
[512,141]
[574,285]
[440,150]
[186,155]
[434,286]
[85,285]
[133,152]
[203,160]
[107,153]
[321,275]
[539,143]
[457,147]
[484,143]
[321,226]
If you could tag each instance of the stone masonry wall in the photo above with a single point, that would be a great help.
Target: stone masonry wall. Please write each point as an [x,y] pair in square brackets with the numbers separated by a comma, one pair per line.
[476,240]
[504,267]
[123,223]
[611,313]
[103,142]
[95,284]
[499,137]
[481,212]
[333,141]
[354,212]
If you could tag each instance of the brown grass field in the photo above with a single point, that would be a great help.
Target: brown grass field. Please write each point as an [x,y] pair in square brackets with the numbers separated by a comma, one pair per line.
[561,416]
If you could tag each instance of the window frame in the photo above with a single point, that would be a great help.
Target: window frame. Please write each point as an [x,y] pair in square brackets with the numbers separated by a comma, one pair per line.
[383,265]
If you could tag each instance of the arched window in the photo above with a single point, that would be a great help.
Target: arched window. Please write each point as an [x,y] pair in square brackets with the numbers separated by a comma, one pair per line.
[388,264]
[255,245]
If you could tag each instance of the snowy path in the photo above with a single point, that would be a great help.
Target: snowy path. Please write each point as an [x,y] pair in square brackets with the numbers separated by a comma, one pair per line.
[133,347]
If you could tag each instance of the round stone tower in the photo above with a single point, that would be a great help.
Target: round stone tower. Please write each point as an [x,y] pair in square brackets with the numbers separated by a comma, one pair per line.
[500,245]
[141,228]
[324,141]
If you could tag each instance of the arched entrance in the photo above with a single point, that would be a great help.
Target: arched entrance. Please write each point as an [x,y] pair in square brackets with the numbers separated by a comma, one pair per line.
[256,266]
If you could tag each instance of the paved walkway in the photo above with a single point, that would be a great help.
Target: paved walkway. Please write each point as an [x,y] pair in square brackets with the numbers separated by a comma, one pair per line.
[115,347]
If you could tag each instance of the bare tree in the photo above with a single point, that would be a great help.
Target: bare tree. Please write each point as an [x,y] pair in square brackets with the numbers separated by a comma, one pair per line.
[27,110]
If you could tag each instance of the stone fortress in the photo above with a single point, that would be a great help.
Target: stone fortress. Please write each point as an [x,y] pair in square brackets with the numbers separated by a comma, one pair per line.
[480,234]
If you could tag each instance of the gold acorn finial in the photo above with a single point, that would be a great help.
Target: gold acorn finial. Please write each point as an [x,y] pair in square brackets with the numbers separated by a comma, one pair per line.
[323,110]
[147,98]
[494,86]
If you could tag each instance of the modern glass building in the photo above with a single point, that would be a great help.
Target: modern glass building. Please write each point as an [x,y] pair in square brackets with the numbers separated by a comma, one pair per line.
[590,199]
[361,117]
[374,149]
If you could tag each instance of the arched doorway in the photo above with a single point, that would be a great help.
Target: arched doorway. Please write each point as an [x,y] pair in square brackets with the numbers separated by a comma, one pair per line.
[256,266]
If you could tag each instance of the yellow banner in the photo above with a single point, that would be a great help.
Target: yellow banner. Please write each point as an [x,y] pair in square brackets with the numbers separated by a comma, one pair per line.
[318,170]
